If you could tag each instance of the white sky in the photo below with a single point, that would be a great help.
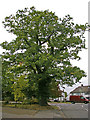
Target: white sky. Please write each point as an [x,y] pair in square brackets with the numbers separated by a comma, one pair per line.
[78,9]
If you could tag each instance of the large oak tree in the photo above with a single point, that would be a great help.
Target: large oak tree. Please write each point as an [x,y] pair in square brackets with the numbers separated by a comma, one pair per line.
[42,50]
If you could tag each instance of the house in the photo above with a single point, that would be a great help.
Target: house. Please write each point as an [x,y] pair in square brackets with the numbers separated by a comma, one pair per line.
[57,94]
[61,95]
[81,90]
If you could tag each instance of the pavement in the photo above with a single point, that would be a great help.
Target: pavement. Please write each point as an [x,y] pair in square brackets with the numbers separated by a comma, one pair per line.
[24,113]
[40,114]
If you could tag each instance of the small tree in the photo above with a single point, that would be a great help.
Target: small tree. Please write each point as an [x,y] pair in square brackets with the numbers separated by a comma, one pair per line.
[18,86]
[44,44]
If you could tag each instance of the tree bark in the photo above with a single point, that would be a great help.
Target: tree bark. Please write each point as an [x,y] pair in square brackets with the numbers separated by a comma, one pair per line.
[43,92]
[43,101]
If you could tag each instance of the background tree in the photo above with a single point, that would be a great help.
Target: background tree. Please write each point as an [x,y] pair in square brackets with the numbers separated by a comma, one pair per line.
[55,91]
[6,81]
[44,44]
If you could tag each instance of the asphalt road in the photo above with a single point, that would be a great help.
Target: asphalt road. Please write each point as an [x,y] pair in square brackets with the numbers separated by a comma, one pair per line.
[77,110]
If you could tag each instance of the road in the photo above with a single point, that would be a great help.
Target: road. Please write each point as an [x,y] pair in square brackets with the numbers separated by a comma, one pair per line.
[77,110]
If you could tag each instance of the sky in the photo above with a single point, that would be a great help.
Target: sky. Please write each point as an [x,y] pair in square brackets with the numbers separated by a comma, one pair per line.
[78,9]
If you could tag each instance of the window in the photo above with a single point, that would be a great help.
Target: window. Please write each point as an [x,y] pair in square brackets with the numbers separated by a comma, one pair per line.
[88,98]
[82,97]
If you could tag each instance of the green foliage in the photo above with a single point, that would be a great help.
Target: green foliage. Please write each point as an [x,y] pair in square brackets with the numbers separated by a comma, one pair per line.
[65,94]
[54,90]
[18,86]
[42,50]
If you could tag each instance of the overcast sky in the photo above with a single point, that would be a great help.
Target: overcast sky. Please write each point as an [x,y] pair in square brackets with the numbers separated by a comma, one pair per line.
[78,9]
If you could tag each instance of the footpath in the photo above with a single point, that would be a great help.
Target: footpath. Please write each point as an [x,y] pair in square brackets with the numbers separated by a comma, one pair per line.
[26,113]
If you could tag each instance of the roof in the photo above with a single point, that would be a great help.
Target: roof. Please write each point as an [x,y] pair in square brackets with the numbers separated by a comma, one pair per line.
[83,89]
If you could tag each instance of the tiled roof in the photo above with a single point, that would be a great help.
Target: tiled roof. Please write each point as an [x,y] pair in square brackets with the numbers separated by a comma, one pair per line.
[83,89]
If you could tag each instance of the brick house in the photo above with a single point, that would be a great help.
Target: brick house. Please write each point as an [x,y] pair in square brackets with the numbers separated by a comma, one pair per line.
[81,90]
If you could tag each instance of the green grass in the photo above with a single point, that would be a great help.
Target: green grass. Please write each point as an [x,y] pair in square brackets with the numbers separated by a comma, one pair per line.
[61,102]
[31,107]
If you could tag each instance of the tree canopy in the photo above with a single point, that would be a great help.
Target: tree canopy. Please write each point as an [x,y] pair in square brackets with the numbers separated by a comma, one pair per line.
[41,51]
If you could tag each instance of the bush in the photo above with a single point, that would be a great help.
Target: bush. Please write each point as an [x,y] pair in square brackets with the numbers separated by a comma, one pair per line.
[30,101]
[34,101]
[7,99]
[26,101]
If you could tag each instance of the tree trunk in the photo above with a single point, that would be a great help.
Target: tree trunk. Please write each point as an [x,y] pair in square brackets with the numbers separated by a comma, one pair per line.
[43,92]
[43,101]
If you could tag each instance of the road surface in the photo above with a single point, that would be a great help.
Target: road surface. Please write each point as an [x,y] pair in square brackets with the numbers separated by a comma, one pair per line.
[77,110]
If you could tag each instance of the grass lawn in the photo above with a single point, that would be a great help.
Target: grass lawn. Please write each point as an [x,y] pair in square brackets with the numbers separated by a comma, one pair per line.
[61,102]
[31,107]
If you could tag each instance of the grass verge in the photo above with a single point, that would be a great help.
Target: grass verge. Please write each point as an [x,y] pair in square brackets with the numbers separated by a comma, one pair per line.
[31,107]
[61,102]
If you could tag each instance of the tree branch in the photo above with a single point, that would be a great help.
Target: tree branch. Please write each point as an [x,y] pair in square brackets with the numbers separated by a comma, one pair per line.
[38,39]
[52,50]
[32,69]
[27,42]
[48,38]
[38,69]
[63,48]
